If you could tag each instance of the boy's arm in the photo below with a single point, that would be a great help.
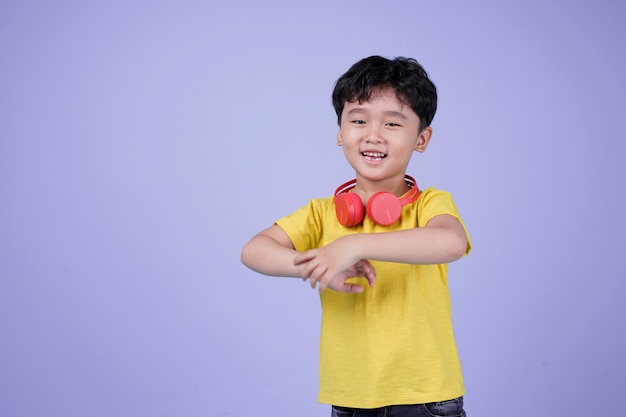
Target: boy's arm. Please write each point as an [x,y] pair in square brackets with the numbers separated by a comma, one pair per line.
[271,253]
[443,240]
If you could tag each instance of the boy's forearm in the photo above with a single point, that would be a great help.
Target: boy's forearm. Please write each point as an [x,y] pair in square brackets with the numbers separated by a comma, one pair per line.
[266,256]
[425,245]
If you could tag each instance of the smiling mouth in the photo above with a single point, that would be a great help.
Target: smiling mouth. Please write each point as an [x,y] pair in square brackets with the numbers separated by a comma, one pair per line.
[374,156]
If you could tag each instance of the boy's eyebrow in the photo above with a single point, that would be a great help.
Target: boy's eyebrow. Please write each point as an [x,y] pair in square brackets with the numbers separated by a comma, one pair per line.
[396,114]
[387,113]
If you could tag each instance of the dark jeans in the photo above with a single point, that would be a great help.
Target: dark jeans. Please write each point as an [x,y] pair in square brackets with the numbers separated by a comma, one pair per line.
[450,408]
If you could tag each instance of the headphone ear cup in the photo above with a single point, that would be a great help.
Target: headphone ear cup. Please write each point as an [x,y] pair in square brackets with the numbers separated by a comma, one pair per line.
[349,209]
[384,208]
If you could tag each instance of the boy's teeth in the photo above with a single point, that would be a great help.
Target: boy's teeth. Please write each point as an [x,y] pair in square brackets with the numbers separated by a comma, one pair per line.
[374,154]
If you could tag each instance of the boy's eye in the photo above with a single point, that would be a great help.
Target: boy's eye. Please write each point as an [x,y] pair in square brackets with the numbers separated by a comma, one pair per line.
[391,124]
[358,122]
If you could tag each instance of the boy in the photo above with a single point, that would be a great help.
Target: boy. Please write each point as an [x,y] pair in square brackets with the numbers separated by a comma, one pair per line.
[378,252]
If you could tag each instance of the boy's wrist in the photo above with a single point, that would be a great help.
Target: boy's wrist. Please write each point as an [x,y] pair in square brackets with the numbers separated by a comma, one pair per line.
[354,246]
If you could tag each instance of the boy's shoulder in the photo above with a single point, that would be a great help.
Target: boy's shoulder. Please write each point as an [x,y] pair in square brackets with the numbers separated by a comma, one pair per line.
[434,195]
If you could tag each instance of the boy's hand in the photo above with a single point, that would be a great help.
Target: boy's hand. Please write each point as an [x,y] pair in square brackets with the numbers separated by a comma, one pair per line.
[331,265]
[363,268]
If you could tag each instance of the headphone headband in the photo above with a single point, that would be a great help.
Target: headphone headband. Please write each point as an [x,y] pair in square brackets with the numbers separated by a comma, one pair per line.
[408,198]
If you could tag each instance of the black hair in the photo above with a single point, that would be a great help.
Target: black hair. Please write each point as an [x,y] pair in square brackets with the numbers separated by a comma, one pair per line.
[405,75]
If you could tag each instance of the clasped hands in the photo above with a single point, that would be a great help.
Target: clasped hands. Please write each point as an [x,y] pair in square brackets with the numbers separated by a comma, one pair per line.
[330,266]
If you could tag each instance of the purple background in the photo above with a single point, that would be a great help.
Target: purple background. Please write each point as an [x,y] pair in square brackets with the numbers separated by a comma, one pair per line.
[142,143]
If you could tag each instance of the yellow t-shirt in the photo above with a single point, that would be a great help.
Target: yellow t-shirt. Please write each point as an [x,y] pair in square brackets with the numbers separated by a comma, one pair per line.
[393,343]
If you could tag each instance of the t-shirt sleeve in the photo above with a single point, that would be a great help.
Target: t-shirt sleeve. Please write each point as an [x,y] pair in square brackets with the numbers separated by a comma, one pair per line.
[303,226]
[432,203]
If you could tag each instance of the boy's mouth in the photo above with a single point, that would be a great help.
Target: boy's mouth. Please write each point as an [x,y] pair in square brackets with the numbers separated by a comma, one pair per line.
[374,156]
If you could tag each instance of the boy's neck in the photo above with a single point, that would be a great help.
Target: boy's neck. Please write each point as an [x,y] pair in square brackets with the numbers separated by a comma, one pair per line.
[366,188]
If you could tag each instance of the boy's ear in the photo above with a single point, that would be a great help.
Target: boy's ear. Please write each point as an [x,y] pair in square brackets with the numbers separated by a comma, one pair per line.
[339,140]
[423,139]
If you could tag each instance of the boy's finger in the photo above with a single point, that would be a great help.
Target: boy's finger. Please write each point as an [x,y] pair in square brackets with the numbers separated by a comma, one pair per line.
[353,288]
[303,257]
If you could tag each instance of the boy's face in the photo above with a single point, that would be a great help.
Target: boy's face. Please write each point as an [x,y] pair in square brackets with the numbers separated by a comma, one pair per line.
[379,136]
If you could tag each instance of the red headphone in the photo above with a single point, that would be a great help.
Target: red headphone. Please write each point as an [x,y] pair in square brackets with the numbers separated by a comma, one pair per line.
[382,208]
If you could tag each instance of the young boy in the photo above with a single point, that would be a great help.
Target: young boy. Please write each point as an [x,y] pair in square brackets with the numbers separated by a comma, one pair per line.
[378,251]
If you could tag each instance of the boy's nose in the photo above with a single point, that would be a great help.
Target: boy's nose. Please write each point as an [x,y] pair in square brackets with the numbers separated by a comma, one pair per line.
[373,136]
